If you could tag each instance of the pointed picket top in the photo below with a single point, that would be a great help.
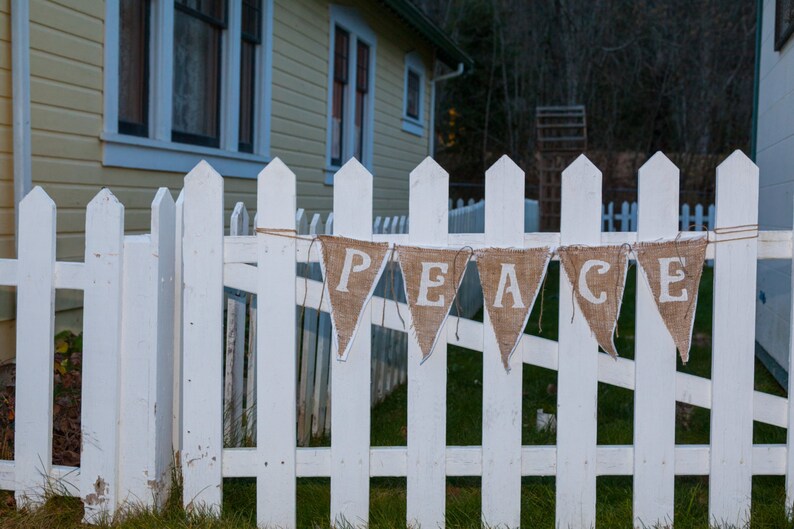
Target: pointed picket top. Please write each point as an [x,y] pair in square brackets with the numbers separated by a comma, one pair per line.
[354,171]
[737,191]
[658,164]
[276,196]
[581,168]
[276,173]
[301,222]
[202,171]
[37,197]
[504,167]
[329,224]
[737,168]
[163,211]
[316,225]
[429,169]
[106,202]
[239,220]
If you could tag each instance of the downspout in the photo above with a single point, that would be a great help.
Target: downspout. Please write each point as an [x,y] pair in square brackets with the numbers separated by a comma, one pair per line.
[20,79]
[432,132]
[759,15]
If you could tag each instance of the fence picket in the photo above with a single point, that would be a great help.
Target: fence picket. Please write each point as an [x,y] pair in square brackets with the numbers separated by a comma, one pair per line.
[235,341]
[323,355]
[202,363]
[655,358]
[35,351]
[176,427]
[733,341]
[351,379]
[329,230]
[145,437]
[276,366]
[501,430]
[104,228]
[790,403]
[308,355]
[427,393]
[577,378]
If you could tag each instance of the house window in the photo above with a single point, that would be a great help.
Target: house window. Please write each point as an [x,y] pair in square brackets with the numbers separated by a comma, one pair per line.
[784,22]
[198,27]
[413,100]
[350,90]
[251,39]
[186,80]
[341,53]
[134,69]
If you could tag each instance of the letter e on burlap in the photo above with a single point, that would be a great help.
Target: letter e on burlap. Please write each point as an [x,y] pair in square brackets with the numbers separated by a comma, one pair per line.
[432,278]
[673,270]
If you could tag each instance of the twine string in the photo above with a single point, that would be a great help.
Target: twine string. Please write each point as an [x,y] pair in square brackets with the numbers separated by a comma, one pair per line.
[458,283]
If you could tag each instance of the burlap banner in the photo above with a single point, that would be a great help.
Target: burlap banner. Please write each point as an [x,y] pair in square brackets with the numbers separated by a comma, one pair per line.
[673,270]
[351,269]
[598,277]
[432,278]
[510,281]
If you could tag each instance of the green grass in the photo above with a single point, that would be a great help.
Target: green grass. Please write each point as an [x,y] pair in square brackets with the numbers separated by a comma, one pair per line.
[464,427]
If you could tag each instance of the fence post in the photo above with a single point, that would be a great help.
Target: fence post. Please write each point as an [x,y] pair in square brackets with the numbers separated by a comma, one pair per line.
[501,406]
[276,355]
[733,342]
[655,358]
[35,351]
[427,393]
[350,380]
[577,377]
[104,236]
[202,361]
[790,429]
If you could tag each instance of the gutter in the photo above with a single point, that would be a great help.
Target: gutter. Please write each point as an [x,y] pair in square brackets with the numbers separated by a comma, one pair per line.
[759,15]
[432,130]
[20,80]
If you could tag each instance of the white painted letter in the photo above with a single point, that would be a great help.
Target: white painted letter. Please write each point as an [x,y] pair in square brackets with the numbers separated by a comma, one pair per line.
[584,290]
[426,283]
[349,267]
[508,273]
[666,279]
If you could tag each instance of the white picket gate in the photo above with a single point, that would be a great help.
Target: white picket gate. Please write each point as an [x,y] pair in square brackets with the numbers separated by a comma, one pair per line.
[128,285]
[134,294]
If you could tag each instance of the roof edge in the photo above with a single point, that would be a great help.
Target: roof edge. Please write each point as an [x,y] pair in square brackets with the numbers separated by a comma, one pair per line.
[448,51]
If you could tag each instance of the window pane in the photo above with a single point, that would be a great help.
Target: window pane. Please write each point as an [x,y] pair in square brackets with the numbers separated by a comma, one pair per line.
[341,60]
[247,87]
[252,20]
[362,88]
[412,106]
[196,100]
[134,67]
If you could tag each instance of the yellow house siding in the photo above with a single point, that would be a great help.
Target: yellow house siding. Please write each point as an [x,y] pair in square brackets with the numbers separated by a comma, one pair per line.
[7,246]
[300,101]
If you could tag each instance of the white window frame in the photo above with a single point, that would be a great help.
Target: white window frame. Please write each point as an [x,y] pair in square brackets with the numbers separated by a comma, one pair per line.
[351,21]
[157,151]
[414,63]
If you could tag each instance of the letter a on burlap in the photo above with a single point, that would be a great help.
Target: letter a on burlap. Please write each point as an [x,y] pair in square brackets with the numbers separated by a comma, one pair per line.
[673,270]
[598,277]
[351,269]
[511,280]
[432,278]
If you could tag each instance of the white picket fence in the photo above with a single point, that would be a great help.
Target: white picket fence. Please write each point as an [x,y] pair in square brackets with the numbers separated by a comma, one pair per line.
[698,218]
[128,343]
[130,285]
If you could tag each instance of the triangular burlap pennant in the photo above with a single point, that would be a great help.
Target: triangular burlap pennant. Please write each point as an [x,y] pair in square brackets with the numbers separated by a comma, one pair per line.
[673,270]
[432,278]
[351,269]
[510,281]
[598,277]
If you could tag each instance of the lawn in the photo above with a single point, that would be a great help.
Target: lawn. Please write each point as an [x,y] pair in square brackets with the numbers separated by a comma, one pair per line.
[464,425]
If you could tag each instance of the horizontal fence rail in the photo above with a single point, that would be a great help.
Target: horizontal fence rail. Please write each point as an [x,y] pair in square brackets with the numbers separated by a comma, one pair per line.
[233,335]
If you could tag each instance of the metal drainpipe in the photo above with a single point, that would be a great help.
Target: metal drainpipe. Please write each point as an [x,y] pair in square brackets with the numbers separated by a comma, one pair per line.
[432,132]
